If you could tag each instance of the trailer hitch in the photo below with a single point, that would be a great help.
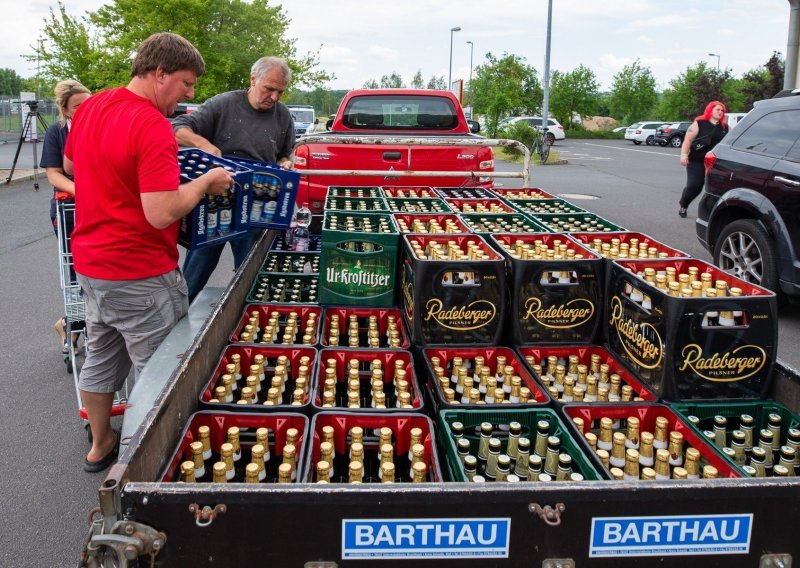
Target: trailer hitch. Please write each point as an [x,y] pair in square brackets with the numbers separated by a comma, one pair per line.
[550,515]
[127,541]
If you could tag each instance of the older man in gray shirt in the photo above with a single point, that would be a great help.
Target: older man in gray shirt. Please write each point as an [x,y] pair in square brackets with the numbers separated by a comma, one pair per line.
[248,124]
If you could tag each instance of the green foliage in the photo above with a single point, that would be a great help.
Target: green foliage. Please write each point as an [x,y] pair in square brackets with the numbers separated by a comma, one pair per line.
[762,83]
[392,81]
[521,131]
[503,87]
[418,82]
[692,90]
[437,83]
[573,93]
[324,101]
[633,93]
[578,131]
[10,82]
[371,84]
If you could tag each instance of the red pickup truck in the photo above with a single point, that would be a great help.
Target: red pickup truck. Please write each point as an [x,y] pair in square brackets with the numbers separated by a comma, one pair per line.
[400,115]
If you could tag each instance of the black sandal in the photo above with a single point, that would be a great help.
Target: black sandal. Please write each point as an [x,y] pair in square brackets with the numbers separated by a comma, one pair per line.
[682,212]
[105,461]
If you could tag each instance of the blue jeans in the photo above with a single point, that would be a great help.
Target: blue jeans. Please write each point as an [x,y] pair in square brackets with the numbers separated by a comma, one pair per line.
[199,264]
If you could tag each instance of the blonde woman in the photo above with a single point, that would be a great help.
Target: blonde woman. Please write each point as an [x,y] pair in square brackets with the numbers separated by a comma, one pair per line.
[69,96]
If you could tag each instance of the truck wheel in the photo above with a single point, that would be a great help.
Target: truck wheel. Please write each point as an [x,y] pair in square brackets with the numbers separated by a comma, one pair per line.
[676,142]
[745,249]
[637,142]
[650,140]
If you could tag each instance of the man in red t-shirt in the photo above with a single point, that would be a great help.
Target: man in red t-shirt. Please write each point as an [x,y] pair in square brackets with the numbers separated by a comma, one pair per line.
[128,201]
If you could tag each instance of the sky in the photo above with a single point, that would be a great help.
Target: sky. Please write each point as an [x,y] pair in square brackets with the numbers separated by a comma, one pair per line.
[358,41]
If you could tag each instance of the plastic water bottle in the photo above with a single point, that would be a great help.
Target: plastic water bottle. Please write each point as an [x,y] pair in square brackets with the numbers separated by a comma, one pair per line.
[301,235]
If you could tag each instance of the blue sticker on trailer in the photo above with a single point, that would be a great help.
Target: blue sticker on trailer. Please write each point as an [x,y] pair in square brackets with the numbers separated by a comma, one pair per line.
[670,536]
[425,538]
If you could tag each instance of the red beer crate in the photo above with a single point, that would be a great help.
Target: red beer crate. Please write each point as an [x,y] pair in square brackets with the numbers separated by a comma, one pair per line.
[340,360]
[263,313]
[468,206]
[362,315]
[552,301]
[689,348]
[647,414]
[452,301]
[247,356]
[409,191]
[371,422]
[536,358]
[423,223]
[248,423]
[526,193]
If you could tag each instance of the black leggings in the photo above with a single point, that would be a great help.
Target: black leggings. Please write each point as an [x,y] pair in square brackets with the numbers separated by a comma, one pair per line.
[695,176]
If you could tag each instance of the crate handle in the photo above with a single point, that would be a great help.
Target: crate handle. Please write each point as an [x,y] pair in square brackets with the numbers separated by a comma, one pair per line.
[204,516]
[550,515]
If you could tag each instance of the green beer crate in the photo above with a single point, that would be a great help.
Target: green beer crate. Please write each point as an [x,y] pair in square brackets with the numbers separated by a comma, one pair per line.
[358,265]
[356,204]
[575,223]
[409,192]
[485,224]
[413,205]
[354,192]
[540,206]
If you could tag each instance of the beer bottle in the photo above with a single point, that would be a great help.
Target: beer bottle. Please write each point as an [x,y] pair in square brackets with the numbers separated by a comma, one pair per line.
[226,456]
[660,440]
[290,459]
[679,473]
[605,440]
[418,456]
[286,471]
[323,471]
[187,472]
[251,473]
[758,461]
[662,464]
[692,463]
[212,217]
[523,453]
[774,425]
[257,458]
[746,425]
[204,434]
[494,454]
[738,446]
[535,465]
[503,468]
[470,467]
[632,436]
[646,456]
[675,448]
[765,441]
[720,429]
[631,470]
[618,450]
[552,453]
[419,470]
[220,472]
[787,459]
[196,449]
[386,472]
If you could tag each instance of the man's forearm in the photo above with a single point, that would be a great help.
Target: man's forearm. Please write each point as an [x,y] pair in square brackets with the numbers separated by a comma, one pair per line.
[187,137]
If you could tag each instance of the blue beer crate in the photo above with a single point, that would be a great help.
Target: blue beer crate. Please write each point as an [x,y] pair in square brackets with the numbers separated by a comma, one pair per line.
[274,193]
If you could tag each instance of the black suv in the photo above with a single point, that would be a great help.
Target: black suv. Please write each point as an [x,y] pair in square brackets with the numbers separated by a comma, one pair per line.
[749,213]
[672,134]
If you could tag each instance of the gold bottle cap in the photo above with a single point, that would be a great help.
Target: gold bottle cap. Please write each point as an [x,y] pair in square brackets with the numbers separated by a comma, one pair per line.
[251,473]
[187,471]
[285,473]
[679,473]
[292,435]
[219,472]
[419,470]
[356,470]
[616,473]
[648,473]
[204,433]
[387,472]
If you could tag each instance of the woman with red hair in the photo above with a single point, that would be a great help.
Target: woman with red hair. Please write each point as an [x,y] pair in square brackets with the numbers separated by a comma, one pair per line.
[705,132]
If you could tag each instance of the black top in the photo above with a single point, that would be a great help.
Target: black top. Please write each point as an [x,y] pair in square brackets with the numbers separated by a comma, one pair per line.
[716,131]
[55,140]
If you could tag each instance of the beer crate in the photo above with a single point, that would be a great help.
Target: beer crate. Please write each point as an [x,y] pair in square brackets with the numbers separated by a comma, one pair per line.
[342,423]
[485,224]
[539,206]
[536,359]
[279,243]
[383,317]
[491,205]
[551,300]
[575,223]
[417,205]
[445,357]
[356,205]
[279,262]
[358,267]
[247,356]
[453,301]
[676,344]
[280,288]
[248,423]
[354,192]
[422,223]
[701,418]
[464,193]
[470,425]
[409,192]
[526,194]
[307,316]
[340,360]
[274,193]
[647,414]
[216,219]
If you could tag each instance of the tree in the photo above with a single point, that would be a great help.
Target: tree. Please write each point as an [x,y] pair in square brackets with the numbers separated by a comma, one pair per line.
[418,82]
[633,93]
[371,84]
[573,93]
[762,83]
[393,81]
[504,86]
[437,83]
[690,92]
[10,82]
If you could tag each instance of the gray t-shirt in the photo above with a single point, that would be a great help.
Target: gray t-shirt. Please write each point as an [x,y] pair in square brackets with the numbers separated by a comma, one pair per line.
[237,129]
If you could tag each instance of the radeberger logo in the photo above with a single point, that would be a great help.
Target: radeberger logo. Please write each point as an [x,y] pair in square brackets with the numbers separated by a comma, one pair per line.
[407,289]
[640,341]
[572,314]
[740,363]
[461,318]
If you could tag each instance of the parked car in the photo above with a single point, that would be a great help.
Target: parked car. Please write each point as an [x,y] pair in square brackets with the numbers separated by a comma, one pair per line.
[672,134]
[748,212]
[554,129]
[639,132]
[305,119]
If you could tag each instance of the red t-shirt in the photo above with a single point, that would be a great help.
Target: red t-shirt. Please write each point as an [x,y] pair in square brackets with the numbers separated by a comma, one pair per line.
[121,146]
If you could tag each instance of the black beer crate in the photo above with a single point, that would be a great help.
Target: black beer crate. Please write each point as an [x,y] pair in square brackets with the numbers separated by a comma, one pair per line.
[678,346]
[471,420]
[425,224]
[701,417]
[279,262]
[575,223]
[207,224]
[589,417]
[218,424]
[284,288]
[340,361]
[401,425]
[539,206]
[490,205]
[358,267]
[263,312]
[354,192]
[445,358]
[417,205]
[247,355]
[551,301]
[356,205]
[485,224]
[409,192]
[274,193]
[279,244]
[453,301]
[464,193]
[362,315]
[525,194]
[536,359]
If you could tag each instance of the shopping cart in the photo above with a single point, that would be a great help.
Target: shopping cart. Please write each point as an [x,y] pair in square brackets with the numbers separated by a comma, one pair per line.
[75,311]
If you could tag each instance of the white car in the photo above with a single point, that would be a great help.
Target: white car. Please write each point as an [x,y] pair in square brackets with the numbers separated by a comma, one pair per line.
[639,132]
[554,129]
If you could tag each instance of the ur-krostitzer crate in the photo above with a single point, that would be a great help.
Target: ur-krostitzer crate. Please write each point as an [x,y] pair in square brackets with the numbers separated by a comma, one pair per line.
[556,288]
[453,290]
[415,205]
[356,205]
[426,223]
[278,317]
[464,193]
[526,194]
[575,223]
[285,288]
[274,193]
[354,192]
[485,223]
[698,347]
[359,259]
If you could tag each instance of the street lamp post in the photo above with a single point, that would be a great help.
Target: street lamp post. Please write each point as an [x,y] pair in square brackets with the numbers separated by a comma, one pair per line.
[471,45]
[450,71]
[717,56]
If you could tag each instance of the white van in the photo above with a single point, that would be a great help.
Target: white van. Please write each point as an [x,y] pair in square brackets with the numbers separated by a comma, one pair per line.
[733,118]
